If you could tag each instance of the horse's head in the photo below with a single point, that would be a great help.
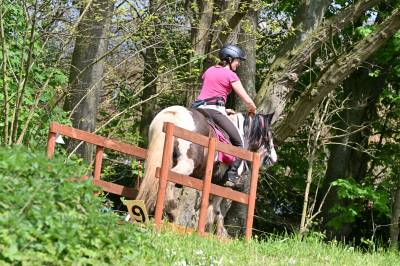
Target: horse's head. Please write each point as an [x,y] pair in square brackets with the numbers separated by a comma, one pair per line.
[258,137]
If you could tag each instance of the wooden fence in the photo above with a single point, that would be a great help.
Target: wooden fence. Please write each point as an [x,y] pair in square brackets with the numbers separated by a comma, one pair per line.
[205,185]
[164,173]
[101,143]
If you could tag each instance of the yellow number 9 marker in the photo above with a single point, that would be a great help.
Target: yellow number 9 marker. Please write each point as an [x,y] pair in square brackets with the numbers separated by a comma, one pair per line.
[137,210]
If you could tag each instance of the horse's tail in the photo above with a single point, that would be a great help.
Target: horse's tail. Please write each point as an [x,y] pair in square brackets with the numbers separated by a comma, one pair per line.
[149,187]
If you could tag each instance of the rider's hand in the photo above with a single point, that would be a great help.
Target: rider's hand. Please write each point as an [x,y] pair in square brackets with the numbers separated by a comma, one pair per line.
[251,108]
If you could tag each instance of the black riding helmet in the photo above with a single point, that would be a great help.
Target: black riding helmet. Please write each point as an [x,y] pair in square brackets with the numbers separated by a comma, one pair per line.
[231,51]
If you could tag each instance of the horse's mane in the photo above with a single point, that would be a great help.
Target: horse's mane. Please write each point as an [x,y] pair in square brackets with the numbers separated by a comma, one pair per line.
[256,129]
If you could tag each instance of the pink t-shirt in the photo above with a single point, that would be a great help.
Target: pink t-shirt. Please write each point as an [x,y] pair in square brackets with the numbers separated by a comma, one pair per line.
[217,82]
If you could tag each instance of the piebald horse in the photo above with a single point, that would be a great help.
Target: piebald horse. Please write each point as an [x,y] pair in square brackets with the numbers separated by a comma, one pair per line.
[190,159]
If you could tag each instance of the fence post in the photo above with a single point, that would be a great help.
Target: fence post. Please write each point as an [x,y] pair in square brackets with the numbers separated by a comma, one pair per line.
[165,165]
[252,194]
[98,162]
[206,185]
[51,142]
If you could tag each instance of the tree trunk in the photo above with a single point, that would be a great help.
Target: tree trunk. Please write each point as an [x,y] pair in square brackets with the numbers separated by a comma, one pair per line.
[150,72]
[395,220]
[200,35]
[201,28]
[206,40]
[227,32]
[310,160]
[334,75]
[346,160]
[241,10]
[4,74]
[308,17]
[247,69]
[285,71]
[149,108]
[271,98]
[236,216]
[86,74]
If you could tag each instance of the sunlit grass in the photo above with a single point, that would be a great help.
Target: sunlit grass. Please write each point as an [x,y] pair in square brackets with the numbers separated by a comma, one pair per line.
[178,249]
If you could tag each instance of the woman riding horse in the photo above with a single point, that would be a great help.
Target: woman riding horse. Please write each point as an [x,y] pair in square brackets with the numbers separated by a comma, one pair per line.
[218,83]
[189,158]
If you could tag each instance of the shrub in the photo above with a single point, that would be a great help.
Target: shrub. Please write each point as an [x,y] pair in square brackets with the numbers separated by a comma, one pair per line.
[45,219]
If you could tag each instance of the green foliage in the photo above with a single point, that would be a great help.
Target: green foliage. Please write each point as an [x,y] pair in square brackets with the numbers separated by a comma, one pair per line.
[358,197]
[31,102]
[364,31]
[47,219]
[288,6]
[39,206]
[153,28]
[280,192]
[391,49]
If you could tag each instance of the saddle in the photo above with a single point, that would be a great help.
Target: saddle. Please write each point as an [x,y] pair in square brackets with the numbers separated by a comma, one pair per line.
[221,135]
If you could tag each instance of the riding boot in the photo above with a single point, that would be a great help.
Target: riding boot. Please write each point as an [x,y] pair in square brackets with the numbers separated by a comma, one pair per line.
[231,175]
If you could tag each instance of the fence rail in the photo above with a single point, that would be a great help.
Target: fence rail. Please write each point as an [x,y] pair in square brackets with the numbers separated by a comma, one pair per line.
[165,175]
[101,143]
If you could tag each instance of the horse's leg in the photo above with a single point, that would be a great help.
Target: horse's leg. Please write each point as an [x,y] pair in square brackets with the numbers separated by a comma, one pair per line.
[221,230]
[170,203]
[184,166]
[215,219]
[210,215]
[219,218]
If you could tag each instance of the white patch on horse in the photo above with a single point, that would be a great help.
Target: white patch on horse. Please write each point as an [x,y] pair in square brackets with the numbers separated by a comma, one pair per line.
[273,154]
[238,120]
[184,119]
[184,165]
[241,168]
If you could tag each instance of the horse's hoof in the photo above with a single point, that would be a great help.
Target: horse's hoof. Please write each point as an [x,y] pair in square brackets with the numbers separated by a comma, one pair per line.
[222,233]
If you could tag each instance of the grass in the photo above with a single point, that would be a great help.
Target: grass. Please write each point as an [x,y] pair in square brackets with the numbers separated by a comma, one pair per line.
[169,248]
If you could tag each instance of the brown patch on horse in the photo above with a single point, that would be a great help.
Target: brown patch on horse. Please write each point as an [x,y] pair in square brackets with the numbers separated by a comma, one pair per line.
[196,152]
[202,124]
[171,209]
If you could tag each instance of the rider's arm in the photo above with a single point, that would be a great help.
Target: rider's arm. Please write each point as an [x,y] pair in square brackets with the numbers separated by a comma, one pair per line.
[238,88]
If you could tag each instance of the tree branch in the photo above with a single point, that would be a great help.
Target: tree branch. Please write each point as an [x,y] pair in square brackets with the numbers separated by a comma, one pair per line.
[334,75]
[6,105]
[242,10]
[286,69]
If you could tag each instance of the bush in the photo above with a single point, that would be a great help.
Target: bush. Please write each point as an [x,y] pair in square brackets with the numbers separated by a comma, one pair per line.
[45,219]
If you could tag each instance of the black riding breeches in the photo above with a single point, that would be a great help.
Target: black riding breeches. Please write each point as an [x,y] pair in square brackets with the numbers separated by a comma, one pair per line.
[223,121]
